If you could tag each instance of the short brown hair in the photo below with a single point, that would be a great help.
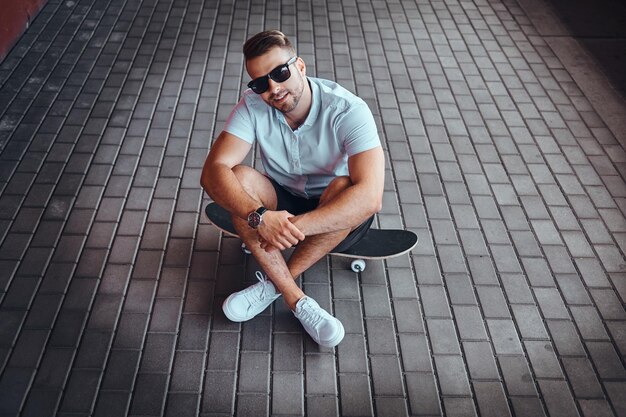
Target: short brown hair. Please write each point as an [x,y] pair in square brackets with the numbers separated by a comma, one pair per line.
[262,42]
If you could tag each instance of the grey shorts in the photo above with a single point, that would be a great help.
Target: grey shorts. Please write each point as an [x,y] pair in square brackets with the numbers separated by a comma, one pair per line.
[298,205]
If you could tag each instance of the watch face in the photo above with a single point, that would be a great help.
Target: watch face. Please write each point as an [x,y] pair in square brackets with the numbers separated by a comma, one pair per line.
[254,219]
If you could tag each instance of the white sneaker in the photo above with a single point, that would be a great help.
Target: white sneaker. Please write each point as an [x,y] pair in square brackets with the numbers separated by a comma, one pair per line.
[325,329]
[246,304]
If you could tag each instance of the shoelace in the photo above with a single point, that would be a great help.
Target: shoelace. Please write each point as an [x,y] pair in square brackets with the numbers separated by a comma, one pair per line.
[310,314]
[256,297]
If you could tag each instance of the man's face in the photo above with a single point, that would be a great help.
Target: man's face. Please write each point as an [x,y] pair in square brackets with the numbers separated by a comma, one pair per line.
[283,96]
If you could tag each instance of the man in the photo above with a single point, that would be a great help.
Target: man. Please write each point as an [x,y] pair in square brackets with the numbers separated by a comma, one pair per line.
[323,182]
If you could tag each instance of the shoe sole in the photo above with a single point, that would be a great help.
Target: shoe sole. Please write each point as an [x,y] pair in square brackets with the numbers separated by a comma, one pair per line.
[228,313]
[237,319]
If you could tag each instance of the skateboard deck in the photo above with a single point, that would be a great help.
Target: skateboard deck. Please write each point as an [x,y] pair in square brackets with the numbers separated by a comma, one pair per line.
[376,244]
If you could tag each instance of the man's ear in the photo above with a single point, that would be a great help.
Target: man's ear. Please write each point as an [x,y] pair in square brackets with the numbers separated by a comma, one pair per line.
[301,66]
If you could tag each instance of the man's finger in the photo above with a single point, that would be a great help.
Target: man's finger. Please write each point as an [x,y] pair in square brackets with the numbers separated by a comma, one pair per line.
[295,232]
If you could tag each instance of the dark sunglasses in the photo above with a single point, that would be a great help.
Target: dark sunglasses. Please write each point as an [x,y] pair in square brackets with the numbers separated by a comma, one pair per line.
[279,74]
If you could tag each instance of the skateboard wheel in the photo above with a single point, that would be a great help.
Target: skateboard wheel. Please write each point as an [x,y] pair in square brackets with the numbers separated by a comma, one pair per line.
[358,265]
[244,249]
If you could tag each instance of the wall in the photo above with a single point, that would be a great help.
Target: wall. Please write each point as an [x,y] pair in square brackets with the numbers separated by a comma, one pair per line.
[15,16]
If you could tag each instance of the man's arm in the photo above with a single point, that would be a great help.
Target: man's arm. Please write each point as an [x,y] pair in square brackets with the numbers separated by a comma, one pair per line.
[355,204]
[221,184]
[218,179]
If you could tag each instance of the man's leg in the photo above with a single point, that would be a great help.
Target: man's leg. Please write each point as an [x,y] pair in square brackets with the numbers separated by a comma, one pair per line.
[243,305]
[259,187]
[315,247]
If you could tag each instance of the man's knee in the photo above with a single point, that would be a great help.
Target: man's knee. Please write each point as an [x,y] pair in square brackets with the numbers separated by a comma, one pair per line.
[245,173]
[256,185]
[248,177]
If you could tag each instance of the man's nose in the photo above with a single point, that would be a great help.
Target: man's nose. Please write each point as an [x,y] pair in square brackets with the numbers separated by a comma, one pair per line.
[273,85]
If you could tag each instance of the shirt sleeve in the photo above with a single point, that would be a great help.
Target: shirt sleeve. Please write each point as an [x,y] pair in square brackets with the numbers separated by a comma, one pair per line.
[358,130]
[240,122]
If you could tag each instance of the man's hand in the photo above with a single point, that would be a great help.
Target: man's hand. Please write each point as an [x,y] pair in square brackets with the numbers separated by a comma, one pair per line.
[276,230]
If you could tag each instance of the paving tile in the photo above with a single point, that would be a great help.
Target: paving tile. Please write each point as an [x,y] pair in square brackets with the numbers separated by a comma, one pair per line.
[452,375]
[401,283]
[415,353]
[592,273]
[550,303]
[482,270]
[529,322]
[608,304]
[515,219]
[158,352]
[469,321]
[356,395]
[408,316]
[463,406]
[93,350]
[165,315]
[393,406]
[426,270]
[44,310]
[121,369]
[41,402]
[617,330]
[573,289]
[527,406]
[434,301]
[504,336]
[288,398]
[381,336]
[588,322]
[254,372]
[517,376]
[606,360]
[28,348]
[423,396]
[345,285]
[386,376]
[319,368]
[543,359]
[182,404]
[131,330]
[595,408]
[81,390]
[558,398]
[14,386]
[493,302]
[491,399]
[219,392]
[349,312]
[582,377]
[505,259]
[321,406]
[149,396]
[91,263]
[615,391]
[460,289]
[14,246]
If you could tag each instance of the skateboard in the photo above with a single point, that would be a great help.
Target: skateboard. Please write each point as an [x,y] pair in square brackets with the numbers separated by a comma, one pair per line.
[376,244]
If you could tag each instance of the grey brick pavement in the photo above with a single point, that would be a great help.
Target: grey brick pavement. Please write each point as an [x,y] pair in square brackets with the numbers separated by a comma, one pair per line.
[111,280]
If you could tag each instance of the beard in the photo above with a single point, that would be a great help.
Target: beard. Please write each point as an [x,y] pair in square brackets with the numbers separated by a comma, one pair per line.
[292,99]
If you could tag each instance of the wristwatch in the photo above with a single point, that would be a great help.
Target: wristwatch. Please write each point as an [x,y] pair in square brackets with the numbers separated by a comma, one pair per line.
[256,217]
